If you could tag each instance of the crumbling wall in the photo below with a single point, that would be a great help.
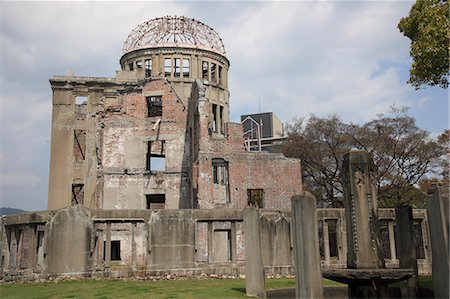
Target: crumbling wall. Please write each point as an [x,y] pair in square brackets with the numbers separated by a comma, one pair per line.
[78,241]
[69,241]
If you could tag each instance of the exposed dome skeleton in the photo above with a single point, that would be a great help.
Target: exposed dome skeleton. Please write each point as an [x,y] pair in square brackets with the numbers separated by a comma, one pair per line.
[177,31]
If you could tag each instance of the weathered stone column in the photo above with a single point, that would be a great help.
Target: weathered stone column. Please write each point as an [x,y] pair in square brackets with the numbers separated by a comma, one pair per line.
[254,269]
[233,243]
[107,256]
[438,219]
[133,248]
[360,200]
[407,246]
[326,242]
[308,273]
[392,240]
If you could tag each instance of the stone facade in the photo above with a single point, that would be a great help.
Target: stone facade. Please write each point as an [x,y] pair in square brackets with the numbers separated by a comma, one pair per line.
[77,241]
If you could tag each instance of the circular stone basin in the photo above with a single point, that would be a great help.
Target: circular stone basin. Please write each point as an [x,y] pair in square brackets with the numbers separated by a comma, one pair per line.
[367,276]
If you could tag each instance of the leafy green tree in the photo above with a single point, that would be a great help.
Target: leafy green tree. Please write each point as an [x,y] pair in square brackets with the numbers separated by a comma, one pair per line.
[427,26]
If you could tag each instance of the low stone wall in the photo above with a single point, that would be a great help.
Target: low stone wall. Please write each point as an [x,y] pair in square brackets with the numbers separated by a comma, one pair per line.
[79,242]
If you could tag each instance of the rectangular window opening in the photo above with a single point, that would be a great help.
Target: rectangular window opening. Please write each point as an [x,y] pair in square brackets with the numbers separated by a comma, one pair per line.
[177,67]
[154,106]
[221,119]
[77,194]
[80,100]
[156,201]
[186,68]
[384,238]
[157,163]
[156,159]
[332,238]
[131,66]
[139,64]
[420,251]
[220,74]
[213,73]
[40,240]
[79,145]
[214,119]
[205,66]
[115,251]
[148,68]
[167,67]
[255,197]
[220,171]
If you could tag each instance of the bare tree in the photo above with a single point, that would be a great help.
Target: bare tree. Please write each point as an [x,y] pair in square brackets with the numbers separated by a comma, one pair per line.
[320,143]
[404,154]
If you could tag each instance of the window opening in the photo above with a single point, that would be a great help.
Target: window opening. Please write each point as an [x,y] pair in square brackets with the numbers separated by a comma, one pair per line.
[255,197]
[214,119]
[77,194]
[157,163]
[177,67]
[80,100]
[213,73]
[156,201]
[221,119]
[186,68]
[220,171]
[156,159]
[332,238]
[40,240]
[131,66]
[205,66]
[420,251]
[139,64]
[79,145]
[154,106]
[220,75]
[115,250]
[167,67]
[148,68]
[384,238]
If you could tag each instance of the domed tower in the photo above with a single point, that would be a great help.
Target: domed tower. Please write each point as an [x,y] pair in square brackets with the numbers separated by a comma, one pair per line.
[182,50]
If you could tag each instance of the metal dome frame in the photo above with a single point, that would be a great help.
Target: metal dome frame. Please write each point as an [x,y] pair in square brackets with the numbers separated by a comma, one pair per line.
[177,31]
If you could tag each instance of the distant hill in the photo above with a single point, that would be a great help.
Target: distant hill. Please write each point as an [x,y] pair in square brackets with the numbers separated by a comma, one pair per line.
[10,211]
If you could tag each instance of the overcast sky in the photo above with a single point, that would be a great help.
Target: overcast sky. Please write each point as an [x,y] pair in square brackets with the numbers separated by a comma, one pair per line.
[291,58]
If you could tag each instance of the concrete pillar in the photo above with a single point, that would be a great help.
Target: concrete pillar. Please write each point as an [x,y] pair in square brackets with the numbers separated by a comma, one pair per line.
[108,245]
[61,149]
[233,243]
[342,240]
[254,269]
[308,273]
[210,242]
[438,219]
[360,200]
[392,240]
[133,247]
[407,246]
[326,242]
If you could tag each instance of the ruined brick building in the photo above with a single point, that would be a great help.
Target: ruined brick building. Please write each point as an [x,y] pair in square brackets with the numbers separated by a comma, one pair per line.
[158,134]
[149,177]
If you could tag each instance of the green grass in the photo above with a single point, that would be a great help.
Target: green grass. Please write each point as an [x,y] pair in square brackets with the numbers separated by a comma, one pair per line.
[104,289]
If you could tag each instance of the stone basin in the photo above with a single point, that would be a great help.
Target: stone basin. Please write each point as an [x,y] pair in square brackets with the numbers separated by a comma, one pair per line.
[368,276]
